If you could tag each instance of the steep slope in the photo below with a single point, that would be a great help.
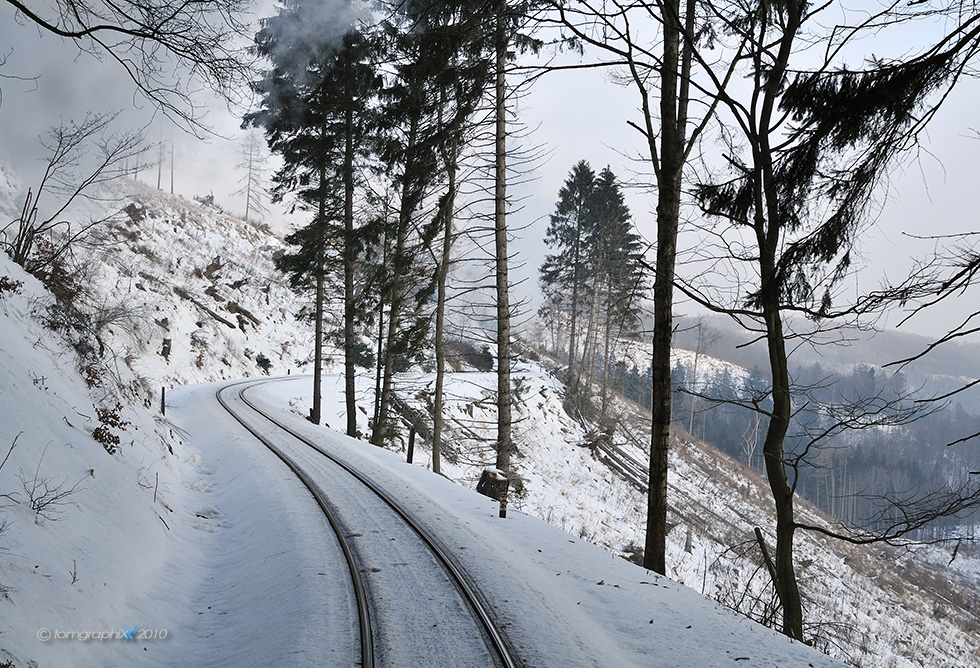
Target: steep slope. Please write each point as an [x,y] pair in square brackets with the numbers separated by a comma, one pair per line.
[203,297]
[83,533]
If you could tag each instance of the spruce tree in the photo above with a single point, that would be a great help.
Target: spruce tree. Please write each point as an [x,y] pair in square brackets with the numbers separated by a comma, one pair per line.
[565,271]
[318,113]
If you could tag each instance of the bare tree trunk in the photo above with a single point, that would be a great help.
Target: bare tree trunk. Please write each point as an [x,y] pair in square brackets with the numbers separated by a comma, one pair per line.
[504,443]
[447,211]
[673,127]
[606,355]
[787,587]
[316,410]
[349,248]
[572,380]
[398,261]
[248,181]
[379,364]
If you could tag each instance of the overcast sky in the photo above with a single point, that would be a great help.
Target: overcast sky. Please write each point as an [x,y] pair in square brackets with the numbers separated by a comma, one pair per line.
[577,115]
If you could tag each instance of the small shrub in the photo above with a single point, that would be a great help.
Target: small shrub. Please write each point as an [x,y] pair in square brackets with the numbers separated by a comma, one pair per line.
[263,362]
[49,267]
[7,284]
[92,375]
[45,495]
[109,419]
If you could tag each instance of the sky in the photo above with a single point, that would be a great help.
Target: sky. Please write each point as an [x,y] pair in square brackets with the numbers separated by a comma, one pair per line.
[574,116]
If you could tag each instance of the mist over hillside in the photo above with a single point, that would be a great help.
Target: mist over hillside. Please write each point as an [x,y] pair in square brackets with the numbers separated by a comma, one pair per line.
[943,369]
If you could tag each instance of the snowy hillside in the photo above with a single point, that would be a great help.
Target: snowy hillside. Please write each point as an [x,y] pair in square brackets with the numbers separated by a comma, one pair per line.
[82,532]
[207,300]
[870,606]
[203,303]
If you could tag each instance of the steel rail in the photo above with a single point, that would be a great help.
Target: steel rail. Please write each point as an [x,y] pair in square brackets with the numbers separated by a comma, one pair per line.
[461,581]
[360,594]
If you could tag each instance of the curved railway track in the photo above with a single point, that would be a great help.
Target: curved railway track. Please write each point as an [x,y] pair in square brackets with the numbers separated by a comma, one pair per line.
[493,637]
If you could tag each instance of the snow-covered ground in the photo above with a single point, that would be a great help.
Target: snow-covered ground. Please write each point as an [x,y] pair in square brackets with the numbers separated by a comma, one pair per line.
[192,532]
[152,535]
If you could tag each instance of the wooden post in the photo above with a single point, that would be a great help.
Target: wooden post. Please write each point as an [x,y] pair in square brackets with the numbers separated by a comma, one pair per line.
[411,444]
[163,400]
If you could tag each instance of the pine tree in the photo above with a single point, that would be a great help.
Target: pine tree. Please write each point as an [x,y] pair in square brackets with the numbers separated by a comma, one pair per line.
[598,263]
[318,114]
[565,271]
[410,158]
[620,276]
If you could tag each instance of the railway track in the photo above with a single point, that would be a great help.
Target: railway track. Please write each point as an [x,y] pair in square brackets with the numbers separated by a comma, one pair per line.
[372,638]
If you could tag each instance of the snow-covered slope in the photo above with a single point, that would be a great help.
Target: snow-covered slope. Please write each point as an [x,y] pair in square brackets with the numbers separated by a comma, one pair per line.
[207,300]
[83,532]
[870,606]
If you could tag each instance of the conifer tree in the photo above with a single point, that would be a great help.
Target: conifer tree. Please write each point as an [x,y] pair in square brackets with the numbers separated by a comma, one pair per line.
[599,263]
[318,114]
[565,271]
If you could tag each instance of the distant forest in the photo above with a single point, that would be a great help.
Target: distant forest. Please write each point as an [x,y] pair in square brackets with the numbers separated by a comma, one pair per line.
[851,474]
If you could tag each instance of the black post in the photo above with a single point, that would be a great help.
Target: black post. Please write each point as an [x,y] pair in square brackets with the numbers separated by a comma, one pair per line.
[163,401]
[411,444]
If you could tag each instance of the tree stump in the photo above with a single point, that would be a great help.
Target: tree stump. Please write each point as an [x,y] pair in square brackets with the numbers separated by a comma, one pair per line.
[494,484]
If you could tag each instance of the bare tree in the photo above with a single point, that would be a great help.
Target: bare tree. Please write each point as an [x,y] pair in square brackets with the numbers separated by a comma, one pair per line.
[707,337]
[254,157]
[805,151]
[168,50]
[81,156]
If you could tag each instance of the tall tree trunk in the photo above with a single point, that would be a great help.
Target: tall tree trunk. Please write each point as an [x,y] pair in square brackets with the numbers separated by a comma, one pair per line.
[607,351]
[694,386]
[673,119]
[787,587]
[769,225]
[316,412]
[349,247]
[447,211]
[504,443]
[590,352]
[397,293]
[572,379]
[248,179]
[379,364]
